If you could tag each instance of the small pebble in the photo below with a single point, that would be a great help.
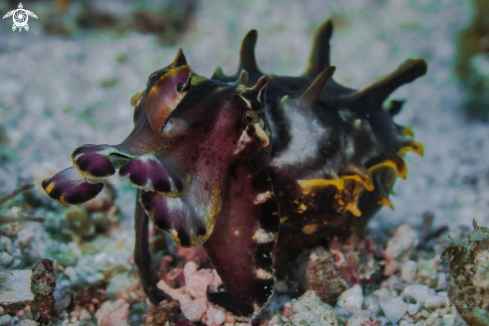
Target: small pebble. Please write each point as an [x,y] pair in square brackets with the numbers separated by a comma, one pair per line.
[287,310]
[62,301]
[384,321]
[423,313]
[394,308]
[372,303]
[27,322]
[408,271]
[16,263]
[408,319]
[442,281]
[214,316]
[281,287]
[274,321]
[405,323]
[413,309]
[435,301]
[364,318]
[85,315]
[14,211]
[382,292]
[28,312]
[351,298]
[449,321]
[71,273]
[74,314]
[393,282]
[7,244]
[5,259]
[418,292]
[391,267]
[444,311]
[25,236]
[5,320]
[433,319]
[402,243]
[310,310]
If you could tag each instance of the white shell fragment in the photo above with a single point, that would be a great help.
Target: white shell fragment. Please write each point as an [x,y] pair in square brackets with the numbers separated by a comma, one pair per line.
[16,288]
[394,308]
[351,298]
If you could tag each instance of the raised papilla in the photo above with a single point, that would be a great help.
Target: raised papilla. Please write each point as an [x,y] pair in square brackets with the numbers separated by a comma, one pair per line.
[228,161]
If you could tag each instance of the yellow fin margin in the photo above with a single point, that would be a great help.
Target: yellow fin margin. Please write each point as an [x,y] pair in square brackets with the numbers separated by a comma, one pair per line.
[407,131]
[366,181]
[400,172]
[50,187]
[352,206]
[135,98]
[414,146]
[308,186]
[385,201]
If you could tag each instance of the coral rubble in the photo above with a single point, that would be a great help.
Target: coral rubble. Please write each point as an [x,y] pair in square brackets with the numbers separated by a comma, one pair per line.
[43,283]
[468,279]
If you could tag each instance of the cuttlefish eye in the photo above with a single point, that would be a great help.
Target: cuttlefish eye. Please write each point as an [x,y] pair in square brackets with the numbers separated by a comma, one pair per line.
[250,117]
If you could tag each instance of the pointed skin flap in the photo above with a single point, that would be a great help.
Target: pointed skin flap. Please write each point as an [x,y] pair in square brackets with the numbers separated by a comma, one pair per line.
[320,50]
[165,96]
[314,90]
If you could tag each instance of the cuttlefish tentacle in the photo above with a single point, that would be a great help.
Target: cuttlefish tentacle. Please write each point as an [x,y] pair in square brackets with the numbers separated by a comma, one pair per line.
[142,256]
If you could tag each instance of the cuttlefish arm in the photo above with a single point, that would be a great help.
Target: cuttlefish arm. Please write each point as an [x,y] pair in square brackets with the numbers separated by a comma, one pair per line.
[241,245]
[142,256]
[70,187]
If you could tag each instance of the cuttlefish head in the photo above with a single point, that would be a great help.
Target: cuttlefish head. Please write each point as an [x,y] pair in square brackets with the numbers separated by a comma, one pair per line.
[187,131]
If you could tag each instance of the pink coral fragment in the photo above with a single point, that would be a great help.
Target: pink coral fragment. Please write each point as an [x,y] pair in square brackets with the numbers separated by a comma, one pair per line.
[113,313]
[192,297]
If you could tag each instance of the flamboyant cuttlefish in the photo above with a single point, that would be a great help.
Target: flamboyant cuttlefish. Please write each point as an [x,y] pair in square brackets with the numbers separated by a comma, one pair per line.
[228,161]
